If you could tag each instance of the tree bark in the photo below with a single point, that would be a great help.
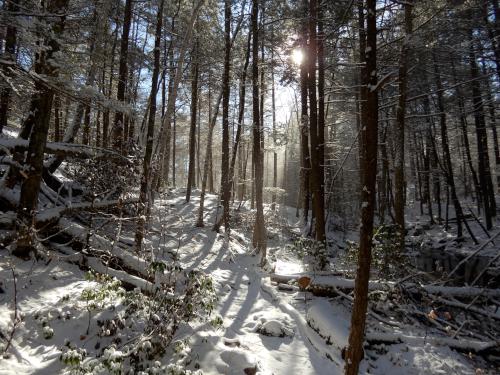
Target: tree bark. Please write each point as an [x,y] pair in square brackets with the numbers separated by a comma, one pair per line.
[9,55]
[192,128]
[369,140]
[146,165]
[399,165]
[259,231]
[118,123]
[448,168]
[57,118]
[106,114]
[485,181]
[40,109]
[273,106]
[305,160]
[465,135]
[225,180]
[317,179]
[321,110]
[241,112]
[208,159]
[165,136]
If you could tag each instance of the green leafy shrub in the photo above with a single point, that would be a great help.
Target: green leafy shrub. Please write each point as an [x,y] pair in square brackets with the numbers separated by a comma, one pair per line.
[152,320]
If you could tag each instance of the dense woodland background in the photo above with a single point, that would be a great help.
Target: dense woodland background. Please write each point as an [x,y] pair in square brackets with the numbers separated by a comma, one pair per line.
[358,118]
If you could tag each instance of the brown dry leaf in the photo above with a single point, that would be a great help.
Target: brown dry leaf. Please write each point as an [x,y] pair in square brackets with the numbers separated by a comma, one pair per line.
[304,282]
[432,315]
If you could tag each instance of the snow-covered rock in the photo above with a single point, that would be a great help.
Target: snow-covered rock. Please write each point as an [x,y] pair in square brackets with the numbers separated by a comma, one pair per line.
[274,328]
[237,362]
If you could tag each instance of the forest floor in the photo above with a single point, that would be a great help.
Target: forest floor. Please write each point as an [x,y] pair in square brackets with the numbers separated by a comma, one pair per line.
[262,328]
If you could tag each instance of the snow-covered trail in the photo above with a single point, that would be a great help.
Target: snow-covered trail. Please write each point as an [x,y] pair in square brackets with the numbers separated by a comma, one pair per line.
[246,304]
[248,301]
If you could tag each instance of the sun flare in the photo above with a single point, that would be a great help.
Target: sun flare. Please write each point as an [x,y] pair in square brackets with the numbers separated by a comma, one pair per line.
[297,56]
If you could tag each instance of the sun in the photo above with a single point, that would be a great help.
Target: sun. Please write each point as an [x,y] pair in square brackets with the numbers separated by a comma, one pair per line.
[297,56]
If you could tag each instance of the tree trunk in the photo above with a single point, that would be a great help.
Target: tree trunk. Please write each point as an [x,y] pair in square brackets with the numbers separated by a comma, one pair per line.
[165,136]
[448,169]
[208,159]
[259,231]
[40,108]
[399,165]
[86,126]
[98,135]
[57,118]
[146,165]
[273,105]
[106,114]
[192,129]
[305,160]
[174,151]
[321,114]
[95,52]
[241,112]
[9,55]
[225,180]
[317,179]
[465,135]
[484,171]
[369,140]
[118,123]
[427,174]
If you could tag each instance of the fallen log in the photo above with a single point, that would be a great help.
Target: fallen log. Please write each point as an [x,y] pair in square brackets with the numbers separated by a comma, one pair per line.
[326,285]
[458,344]
[53,215]
[77,231]
[96,265]
[59,149]
[467,307]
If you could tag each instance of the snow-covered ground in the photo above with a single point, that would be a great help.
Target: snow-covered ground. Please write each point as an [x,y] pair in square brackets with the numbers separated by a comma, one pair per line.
[260,329]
